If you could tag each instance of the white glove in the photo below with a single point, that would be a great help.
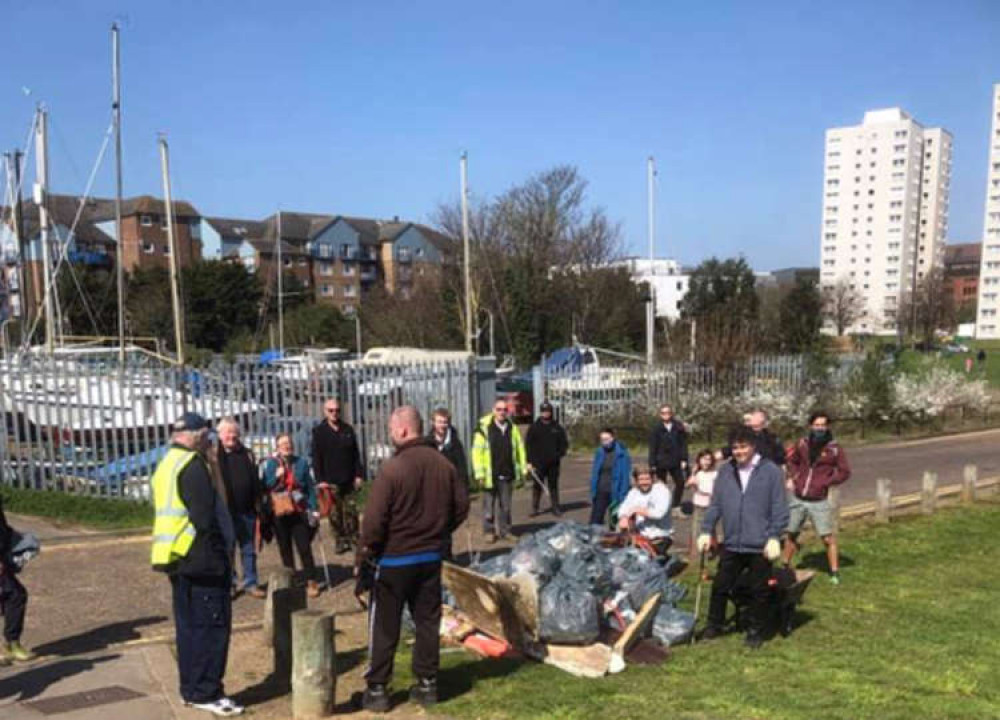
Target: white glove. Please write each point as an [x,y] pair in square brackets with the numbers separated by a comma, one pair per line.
[772,549]
[704,542]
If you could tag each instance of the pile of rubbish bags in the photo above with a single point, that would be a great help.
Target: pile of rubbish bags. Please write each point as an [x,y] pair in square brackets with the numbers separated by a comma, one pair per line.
[583,587]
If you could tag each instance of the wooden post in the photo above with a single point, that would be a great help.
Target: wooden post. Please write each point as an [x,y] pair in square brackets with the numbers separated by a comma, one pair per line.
[928,495]
[970,475]
[883,499]
[314,674]
[279,580]
[286,602]
[833,496]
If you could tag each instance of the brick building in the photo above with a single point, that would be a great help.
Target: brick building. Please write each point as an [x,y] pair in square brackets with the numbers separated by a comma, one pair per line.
[961,273]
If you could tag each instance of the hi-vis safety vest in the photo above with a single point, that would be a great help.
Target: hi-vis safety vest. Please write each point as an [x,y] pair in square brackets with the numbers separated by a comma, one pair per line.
[173,533]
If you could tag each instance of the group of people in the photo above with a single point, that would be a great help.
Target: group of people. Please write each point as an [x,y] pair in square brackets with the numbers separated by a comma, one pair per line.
[213,501]
[761,492]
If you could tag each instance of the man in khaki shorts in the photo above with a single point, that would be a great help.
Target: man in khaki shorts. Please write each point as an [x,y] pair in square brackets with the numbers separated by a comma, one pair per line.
[815,464]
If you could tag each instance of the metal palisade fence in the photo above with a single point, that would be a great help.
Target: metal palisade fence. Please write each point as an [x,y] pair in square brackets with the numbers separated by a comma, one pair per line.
[94,427]
[593,393]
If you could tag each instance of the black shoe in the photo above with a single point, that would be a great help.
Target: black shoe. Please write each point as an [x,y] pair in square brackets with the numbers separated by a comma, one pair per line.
[753,641]
[557,511]
[375,699]
[711,632]
[425,692]
[534,513]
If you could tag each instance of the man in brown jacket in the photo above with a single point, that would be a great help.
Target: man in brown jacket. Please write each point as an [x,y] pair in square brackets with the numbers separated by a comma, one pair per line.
[414,502]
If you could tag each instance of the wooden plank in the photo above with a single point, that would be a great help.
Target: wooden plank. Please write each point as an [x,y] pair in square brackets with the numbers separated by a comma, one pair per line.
[481,599]
[521,591]
[635,632]
[589,661]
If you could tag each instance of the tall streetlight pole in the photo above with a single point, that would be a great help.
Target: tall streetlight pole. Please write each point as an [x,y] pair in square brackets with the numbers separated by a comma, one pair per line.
[42,200]
[465,250]
[651,305]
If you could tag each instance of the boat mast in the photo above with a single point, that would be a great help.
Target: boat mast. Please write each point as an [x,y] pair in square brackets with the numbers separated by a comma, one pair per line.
[175,292]
[41,200]
[281,303]
[116,109]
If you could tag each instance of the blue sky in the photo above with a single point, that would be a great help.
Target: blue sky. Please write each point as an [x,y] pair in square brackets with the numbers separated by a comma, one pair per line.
[364,108]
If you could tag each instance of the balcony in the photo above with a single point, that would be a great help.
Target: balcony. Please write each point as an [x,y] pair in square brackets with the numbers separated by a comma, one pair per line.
[368,275]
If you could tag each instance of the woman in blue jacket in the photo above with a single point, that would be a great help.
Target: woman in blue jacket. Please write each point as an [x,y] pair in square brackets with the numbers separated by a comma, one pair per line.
[610,476]
[292,495]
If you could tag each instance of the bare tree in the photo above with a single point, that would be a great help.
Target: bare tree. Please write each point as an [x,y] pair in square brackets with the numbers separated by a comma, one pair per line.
[842,305]
[930,308]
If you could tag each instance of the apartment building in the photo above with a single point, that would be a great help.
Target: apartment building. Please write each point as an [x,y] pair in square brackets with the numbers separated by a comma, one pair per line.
[987,321]
[886,187]
[667,278]
[144,231]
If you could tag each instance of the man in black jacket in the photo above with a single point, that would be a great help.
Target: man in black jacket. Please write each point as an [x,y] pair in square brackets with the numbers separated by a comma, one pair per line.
[546,445]
[244,494]
[766,442]
[336,460]
[200,577]
[445,438]
[13,599]
[668,452]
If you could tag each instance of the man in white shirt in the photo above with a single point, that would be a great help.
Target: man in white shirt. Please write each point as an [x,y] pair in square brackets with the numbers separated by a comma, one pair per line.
[649,503]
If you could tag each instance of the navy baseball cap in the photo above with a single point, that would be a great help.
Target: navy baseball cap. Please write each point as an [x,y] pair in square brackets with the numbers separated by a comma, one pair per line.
[191,421]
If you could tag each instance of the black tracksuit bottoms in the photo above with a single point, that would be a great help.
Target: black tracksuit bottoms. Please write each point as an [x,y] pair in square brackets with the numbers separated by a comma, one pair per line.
[731,566]
[13,603]
[548,474]
[418,587]
[203,618]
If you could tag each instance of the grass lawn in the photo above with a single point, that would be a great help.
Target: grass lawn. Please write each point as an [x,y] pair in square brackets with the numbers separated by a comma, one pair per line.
[913,632]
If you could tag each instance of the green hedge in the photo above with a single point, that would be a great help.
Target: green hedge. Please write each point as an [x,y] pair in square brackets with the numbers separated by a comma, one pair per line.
[92,512]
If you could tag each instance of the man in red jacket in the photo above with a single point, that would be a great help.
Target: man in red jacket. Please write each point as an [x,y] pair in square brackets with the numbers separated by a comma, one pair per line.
[815,464]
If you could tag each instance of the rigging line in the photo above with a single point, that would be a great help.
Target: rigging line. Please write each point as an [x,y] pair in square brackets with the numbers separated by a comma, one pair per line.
[83,298]
[64,147]
[50,282]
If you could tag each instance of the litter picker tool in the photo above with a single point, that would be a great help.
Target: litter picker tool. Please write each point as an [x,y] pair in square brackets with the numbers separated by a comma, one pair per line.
[697,593]
[543,486]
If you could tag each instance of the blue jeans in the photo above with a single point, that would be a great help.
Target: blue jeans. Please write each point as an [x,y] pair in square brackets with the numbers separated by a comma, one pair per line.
[244,526]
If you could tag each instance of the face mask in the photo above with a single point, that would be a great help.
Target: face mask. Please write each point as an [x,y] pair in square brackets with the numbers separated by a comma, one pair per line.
[820,435]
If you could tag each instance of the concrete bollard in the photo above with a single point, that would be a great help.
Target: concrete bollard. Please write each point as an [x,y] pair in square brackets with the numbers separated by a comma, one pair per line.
[314,676]
[928,494]
[279,580]
[970,475]
[286,602]
[833,497]
[883,499]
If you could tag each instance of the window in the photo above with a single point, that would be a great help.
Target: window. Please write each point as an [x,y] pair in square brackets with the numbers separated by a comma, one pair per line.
[148,248]
[348,271]
[166,249]
[325,251]
[827,236]
[146,220]
[899,162]
[899,148]
[327,290]
[347,309]
[833,182]
[163,222]
[350,291]
[286,262]
[900,134]
[680,286]
[326,269]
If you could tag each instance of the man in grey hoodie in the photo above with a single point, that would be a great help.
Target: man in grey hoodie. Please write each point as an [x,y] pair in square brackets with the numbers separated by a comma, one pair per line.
[749,498]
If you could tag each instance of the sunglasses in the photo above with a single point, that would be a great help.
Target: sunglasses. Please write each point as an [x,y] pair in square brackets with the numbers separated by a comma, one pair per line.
[333,410]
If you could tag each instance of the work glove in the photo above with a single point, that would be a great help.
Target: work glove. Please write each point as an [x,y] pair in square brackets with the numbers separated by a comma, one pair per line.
[704,542]
[366,578]
[772,549]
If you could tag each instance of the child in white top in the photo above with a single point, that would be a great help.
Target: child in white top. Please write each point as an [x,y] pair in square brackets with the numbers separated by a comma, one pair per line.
[649,503]
[703,479]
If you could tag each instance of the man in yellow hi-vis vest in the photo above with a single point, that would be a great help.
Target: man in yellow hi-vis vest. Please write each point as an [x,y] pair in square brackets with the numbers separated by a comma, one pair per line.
[498,462]
[191,543]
